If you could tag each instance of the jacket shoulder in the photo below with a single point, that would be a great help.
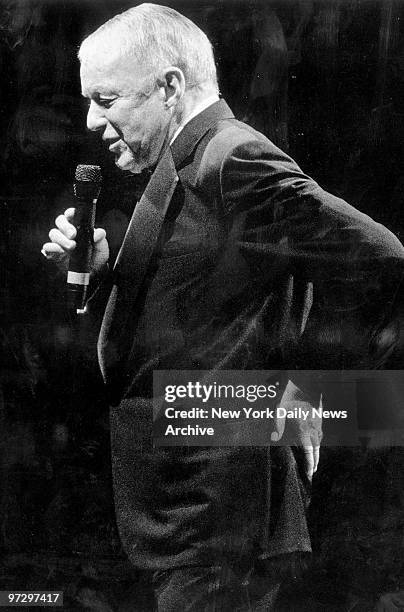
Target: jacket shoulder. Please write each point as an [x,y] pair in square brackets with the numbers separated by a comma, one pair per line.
[232,149]
[230,136]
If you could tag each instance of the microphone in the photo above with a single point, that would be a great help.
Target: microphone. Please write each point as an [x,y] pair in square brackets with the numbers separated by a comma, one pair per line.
[87,187]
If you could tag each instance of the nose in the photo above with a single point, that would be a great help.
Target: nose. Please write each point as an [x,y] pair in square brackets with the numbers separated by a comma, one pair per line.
[95,118]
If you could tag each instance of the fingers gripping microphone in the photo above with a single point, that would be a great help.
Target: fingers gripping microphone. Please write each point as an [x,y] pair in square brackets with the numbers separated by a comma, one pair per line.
[87,188]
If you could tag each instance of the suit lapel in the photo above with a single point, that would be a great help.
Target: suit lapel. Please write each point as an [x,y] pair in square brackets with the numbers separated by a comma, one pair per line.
[116,335]
[131,265]
[145,225]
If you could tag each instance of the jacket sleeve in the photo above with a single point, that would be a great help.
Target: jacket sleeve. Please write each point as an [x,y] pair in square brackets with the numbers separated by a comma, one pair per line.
[349,267]
[340,272]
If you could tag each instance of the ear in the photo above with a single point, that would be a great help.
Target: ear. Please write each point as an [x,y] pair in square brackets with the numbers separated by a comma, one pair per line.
[173,82]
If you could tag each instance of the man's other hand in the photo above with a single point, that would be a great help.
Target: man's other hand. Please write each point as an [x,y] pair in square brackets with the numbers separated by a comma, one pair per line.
[62,243]
[312,456]
[304,431]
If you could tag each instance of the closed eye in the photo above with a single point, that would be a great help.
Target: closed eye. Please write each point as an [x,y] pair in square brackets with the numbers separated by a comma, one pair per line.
[105,102]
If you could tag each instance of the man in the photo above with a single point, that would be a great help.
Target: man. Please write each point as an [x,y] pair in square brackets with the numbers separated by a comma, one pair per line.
[233,259]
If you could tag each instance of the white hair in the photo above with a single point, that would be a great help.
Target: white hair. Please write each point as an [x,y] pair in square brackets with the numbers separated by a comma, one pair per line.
[156,37]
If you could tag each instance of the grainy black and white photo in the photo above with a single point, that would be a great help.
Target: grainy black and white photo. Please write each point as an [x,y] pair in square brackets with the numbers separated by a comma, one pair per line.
[202,305]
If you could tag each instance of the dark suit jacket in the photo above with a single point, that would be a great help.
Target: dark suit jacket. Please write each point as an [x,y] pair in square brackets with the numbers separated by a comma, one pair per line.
[254,266]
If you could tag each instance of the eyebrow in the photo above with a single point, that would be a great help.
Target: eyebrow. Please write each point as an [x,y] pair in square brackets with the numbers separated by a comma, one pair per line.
[98,96]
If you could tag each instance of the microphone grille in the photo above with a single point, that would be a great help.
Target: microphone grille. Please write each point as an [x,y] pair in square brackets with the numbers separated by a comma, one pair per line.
[85,172]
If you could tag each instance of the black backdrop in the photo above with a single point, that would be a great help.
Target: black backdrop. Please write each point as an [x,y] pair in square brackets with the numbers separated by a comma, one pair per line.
[325,81]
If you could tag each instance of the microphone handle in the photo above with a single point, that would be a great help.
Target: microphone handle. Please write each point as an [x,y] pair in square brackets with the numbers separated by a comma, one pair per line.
[78,276]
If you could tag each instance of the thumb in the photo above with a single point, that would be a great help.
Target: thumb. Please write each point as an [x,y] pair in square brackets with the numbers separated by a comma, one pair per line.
[99,234]
[279,423]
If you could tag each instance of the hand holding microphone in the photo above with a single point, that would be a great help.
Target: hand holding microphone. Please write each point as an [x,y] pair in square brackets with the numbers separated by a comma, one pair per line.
[79,249]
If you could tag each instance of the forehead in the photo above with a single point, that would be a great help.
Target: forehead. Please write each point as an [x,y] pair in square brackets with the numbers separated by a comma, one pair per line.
[102,73]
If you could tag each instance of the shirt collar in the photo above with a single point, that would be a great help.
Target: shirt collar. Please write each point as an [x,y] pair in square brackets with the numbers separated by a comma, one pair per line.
[198,109]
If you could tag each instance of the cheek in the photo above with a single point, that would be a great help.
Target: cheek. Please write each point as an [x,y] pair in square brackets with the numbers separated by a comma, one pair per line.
[147,131]
[148,134]
[158,129]
[133,132]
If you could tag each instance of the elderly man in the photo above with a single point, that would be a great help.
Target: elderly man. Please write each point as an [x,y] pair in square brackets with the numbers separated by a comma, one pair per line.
[233,259]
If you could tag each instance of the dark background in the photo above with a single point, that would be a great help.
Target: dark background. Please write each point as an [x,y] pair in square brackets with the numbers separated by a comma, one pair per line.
[325,81]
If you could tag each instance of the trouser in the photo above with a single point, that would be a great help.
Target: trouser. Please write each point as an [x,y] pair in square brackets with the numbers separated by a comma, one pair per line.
[220,589]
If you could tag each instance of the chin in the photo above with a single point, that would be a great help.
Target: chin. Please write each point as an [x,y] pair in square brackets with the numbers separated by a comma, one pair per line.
[127,162]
